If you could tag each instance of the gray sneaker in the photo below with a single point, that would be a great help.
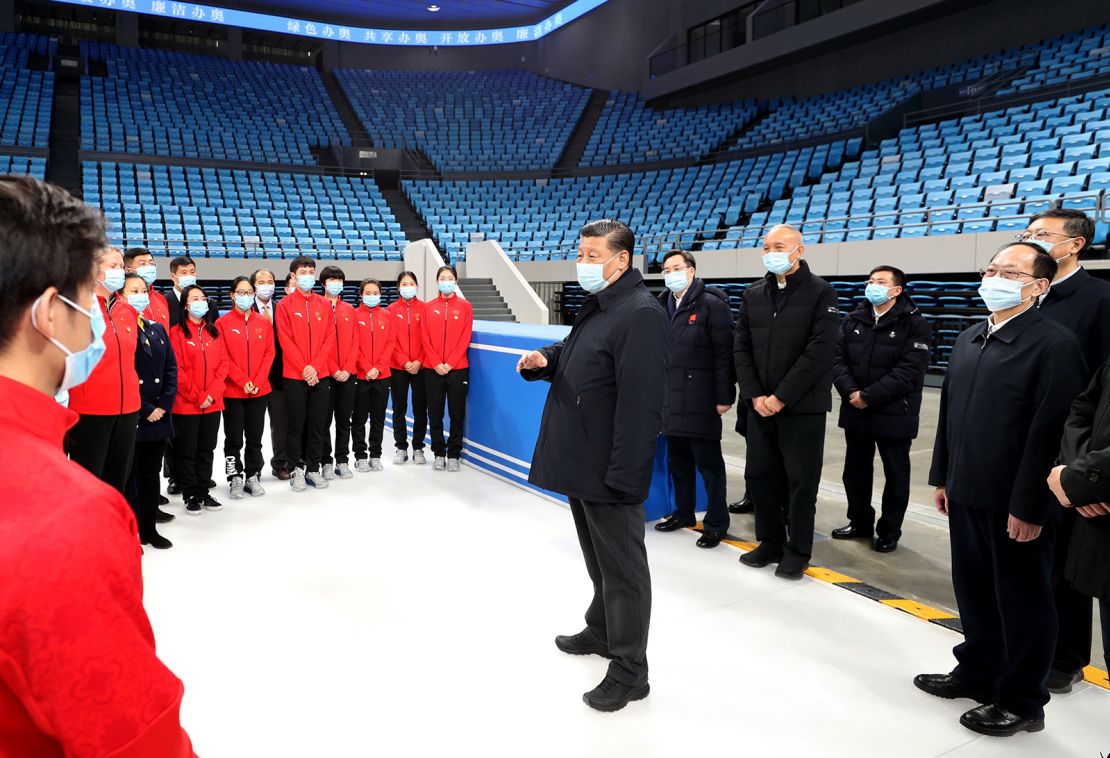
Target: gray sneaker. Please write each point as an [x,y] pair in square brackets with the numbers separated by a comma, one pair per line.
[317,479]
[236,488]
[343,471]
[362,465]
[254,487]
[452,464]
[297,481]
[440,464]
[418,458]
[328,471]
[400,457]
[375,464]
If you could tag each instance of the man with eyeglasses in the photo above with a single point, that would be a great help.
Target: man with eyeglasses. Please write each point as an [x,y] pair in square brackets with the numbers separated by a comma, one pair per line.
[1006,395]
[1080,302]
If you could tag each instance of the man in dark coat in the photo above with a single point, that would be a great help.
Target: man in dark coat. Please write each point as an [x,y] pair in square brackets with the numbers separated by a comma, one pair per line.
[785,339]
[881,359]
[265,286]
[1080,302]
[1010,382]
[701,387]
[596,445]
[1082,484]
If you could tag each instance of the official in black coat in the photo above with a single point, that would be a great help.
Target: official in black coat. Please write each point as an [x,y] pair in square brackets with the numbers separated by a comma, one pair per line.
[701,387]
[1080,302]
[157,369]
[265,284]
[596,445]
[1082,484]
[785,339]
[881,359]
[1010,382]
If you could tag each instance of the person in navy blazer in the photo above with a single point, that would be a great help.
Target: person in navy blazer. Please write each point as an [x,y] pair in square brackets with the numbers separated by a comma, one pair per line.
[157,369]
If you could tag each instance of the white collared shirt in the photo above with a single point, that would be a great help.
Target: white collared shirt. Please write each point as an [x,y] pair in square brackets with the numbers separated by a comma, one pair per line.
[993,327]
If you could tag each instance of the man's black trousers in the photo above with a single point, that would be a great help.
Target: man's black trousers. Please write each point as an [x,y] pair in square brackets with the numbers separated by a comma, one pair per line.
[306,422]
[275,405]
[449,391]
[686,457]
[1074,611]
[859,479]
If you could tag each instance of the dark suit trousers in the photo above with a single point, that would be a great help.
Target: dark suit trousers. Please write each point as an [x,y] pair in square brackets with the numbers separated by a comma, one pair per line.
[275,405]
[859,478]
[686,457]
[105,446]
[1074,611]
[783,472]
[1004,593]
[612,540]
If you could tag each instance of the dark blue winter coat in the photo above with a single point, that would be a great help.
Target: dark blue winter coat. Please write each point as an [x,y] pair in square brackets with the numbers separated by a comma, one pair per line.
[157,370]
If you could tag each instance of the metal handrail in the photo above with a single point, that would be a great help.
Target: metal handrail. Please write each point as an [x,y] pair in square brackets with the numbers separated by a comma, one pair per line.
[266,249]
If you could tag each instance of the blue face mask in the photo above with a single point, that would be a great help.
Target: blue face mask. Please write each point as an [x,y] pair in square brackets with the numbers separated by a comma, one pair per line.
[244,302]
[1000,294]
[335,289]
[139,301]
[306,282]
[676,281]
[408,292]
[447,288]
[113,279]
[1047,246]
[148,273]
[877,294]
[198,308]
[187,280]
[778,263]
[591,276]
[79,365]
[371,301]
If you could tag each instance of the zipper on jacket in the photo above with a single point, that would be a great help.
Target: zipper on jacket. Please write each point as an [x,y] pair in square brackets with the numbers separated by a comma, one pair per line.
[582,421]
[308,318]
[373,342]
[204,358]
[119,354]
[247,331]
[446,311]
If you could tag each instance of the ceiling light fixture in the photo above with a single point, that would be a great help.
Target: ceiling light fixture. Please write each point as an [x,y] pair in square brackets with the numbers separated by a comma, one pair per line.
[433,8]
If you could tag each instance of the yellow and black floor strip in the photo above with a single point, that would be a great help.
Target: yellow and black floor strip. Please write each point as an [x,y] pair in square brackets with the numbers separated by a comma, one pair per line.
[1091,674]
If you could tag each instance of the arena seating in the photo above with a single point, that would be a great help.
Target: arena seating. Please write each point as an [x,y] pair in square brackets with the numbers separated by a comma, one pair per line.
[468,120]
[21,164]
[26,96]
[230,213]
[1072,58]
[157,102]
[629,131]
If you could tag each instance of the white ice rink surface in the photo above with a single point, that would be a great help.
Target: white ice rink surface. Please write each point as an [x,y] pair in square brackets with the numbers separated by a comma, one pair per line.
[411,613]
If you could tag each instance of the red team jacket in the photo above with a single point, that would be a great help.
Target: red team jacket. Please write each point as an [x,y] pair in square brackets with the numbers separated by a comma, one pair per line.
[79,676]
[448,322]
[344,352]
[408,332]
[202,366]
[375,340]
[158,310]
[249,342]
[306,330]
[113,387]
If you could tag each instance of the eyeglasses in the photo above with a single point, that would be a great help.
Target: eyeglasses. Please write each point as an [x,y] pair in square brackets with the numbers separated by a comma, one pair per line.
[241,293]
[674,270]
[1004,273]
[1041,235]
[881,283]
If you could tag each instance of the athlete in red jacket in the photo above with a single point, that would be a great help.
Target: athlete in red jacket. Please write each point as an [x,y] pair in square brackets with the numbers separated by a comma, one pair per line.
[249,340]
[448,322]
[103,441]
[78,671]
[407,364]
[343,369]
[202,366]
[138,260]
[376,336]
[306,330]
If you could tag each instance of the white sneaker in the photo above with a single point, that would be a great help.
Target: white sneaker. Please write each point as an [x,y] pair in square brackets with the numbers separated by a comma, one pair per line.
[237,488]
[297,481]
[400,457]
[328,471]
[440,464]
[375,464]
[317,480]
[452,464]
[343,471]
[254,487]
[362,465]
[418,458]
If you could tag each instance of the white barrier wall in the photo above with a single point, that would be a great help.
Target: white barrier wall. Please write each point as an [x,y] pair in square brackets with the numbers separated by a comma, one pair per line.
[486,260]
[423,259]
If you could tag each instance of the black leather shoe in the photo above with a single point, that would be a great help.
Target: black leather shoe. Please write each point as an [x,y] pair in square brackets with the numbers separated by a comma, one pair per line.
[996,721]
[282,474]
[672,523]
[884,546]
[581,644]
[161,517]
[764,555]
[1060,682]
[948,687]
[163,500]
[211,484]
[743,505]
[791,567]
[611,695]
[156,541]
[172,488]
[710,539]
[852,533]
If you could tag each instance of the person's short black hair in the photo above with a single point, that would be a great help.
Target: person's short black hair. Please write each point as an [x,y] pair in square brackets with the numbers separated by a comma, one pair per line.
[1044,265]
[301,260]
[404,274]
[687,257]
[368,280]
[235,283]
[1076,223]
[183,312]
[897,274]
[616,233]
[131,253]
[332,272]
[254,276]
[133,275]
[448,267]
[179,261]
[48,238]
